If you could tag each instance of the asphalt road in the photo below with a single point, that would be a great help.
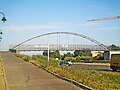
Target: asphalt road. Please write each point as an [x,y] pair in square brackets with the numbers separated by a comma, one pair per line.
[22,75]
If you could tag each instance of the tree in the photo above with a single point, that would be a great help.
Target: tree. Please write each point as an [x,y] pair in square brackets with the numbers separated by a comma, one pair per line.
[87,52]
[84,52]
[55,54]
[76,53]
[45,53]
[69,58]
[114,47]
[68,55]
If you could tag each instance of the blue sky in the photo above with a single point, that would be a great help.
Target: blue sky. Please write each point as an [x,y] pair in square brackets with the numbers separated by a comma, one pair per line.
[28,18]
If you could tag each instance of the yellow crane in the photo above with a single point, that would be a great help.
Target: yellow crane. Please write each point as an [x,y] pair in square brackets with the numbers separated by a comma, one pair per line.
[107,18]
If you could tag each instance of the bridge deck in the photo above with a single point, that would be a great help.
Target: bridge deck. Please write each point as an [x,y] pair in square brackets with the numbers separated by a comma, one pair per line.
[61,47]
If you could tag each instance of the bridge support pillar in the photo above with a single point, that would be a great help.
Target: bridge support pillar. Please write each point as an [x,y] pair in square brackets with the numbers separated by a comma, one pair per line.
[106,55]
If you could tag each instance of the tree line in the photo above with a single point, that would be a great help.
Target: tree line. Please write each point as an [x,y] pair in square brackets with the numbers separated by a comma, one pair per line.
[114,47]
[84,54]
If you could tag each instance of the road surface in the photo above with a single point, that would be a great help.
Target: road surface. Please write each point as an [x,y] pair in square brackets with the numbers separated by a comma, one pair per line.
[22,75]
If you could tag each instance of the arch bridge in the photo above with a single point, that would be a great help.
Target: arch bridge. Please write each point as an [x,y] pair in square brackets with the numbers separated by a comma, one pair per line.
[62,41]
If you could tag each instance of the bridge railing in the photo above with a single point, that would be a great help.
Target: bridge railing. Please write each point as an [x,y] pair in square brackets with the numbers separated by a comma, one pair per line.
[53,47]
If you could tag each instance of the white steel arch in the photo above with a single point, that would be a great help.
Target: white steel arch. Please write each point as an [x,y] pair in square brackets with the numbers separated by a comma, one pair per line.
[70,33]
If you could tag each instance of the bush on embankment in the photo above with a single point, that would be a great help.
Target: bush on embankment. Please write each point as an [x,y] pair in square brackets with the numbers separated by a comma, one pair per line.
[98,80]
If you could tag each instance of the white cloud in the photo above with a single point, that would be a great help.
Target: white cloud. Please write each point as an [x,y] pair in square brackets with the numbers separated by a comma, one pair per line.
[32,27]
[58,26]
[52,26]
[88,24]
[109,28]
[101,8]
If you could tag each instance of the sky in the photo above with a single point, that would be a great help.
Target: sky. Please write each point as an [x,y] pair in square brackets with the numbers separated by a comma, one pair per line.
[29,18]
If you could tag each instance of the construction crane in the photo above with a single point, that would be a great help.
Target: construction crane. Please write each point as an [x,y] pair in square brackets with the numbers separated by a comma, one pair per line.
[107,18]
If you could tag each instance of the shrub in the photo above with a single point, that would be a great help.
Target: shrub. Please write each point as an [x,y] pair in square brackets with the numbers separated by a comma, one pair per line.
[83,58]
[24,57]
[69,58]
[18,55]
[77,58]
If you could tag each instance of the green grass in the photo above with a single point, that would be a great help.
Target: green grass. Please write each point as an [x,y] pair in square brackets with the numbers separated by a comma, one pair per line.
[98,80]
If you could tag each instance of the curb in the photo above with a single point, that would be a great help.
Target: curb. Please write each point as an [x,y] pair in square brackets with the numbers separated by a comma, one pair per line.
[6,82]
[64,78]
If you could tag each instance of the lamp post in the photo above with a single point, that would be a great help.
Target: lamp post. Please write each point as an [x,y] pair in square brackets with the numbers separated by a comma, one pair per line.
[48,53]
[3,19]
[1,34]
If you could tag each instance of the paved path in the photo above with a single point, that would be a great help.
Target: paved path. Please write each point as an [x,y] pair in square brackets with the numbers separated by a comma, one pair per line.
[22,75]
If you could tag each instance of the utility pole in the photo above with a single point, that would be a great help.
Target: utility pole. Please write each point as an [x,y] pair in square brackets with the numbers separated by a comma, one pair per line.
[48,54]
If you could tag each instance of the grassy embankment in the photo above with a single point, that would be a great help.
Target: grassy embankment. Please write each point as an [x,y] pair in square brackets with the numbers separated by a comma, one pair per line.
[98,80]
[97,64]
[2,81]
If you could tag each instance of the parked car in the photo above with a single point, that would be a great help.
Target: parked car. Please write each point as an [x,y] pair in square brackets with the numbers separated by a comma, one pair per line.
[65,62]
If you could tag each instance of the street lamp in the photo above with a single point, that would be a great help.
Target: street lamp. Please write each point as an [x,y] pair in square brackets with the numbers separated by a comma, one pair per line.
[1,32]
[48,53]
[3,19]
